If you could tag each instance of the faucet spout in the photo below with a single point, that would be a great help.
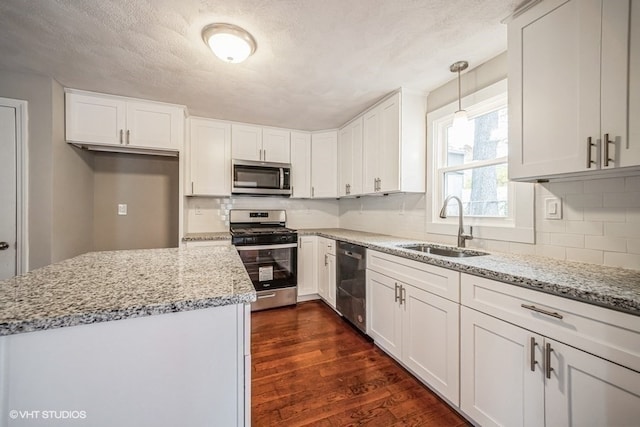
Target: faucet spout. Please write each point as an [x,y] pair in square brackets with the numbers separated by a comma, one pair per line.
[462,238]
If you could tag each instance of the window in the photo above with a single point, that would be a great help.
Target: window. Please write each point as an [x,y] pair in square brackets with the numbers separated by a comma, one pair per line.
[472,165]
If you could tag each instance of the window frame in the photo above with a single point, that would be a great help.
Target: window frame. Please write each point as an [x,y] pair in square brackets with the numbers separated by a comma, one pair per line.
[519,226]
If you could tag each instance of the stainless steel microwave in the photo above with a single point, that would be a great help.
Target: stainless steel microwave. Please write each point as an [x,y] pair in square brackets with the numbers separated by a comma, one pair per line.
[261,178]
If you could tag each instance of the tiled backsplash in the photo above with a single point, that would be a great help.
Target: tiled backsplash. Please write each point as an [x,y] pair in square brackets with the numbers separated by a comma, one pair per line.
[600,223]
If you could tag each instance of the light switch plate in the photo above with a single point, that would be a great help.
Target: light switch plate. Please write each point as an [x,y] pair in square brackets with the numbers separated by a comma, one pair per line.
[553,208]
[122,209]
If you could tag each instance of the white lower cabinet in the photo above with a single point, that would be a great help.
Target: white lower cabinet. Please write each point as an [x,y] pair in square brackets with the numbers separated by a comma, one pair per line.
[520,374]
[327,270]
[418,328]
[307,266]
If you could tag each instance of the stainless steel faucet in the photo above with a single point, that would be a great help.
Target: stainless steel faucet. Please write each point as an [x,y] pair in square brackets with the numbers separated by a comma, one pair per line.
[462,238]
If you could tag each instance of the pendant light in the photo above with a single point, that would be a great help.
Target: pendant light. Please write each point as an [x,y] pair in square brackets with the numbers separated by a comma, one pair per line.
[460,118]
[229,42]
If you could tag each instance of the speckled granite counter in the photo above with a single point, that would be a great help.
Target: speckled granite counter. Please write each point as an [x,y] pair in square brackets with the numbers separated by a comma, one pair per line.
[201,237]
[614,288]
[105,286]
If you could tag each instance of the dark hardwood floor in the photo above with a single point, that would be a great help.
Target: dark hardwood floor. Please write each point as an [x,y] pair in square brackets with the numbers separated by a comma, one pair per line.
[309,367]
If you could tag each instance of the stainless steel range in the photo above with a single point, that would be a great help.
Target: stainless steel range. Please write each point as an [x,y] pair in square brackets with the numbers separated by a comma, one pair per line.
[269,251]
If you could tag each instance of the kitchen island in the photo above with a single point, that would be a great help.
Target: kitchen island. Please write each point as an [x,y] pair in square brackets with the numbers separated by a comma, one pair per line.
[144,337]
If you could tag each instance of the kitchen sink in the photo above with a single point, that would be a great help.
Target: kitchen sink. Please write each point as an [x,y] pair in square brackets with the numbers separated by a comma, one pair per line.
[443,251]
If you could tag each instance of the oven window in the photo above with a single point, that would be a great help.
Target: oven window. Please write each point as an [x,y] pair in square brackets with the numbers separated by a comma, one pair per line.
[270,268]
[256,177]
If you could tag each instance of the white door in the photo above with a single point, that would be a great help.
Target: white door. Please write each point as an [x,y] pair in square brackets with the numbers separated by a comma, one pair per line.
[300,165]
[389,154]
[95,119]
[324,165]
[323,268]
[431,340]
[154,126]
[246,142]
[331,280]
[370,149]
[630,152]
[345,161]
[384,318]
[307,266]
[276,145]
[8,187]
[209,158]
[499,385]
[585,390]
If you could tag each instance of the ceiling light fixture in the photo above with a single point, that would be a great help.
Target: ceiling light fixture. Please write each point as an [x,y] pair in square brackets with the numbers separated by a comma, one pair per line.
[229,42]
[460,118]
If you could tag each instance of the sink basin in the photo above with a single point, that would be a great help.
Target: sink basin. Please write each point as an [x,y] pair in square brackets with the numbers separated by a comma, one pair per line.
[442,251]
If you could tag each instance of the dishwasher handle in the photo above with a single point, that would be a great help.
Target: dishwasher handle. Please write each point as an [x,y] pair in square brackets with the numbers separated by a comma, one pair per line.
[350,254]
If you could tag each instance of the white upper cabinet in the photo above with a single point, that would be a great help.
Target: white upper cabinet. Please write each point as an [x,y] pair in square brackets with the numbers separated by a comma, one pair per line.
[275,145]
[260,144]
[350,159]
[394,144]
[631,151]
[111,123]
[300,165]
[324,164]
[570,88]
[208,158]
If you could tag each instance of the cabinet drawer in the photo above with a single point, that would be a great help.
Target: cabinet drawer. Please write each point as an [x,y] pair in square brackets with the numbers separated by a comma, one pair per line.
[328,244]
[437,280]
[610,334]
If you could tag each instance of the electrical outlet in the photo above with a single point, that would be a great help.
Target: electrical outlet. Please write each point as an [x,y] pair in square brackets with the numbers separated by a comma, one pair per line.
[122,209]
[553,208]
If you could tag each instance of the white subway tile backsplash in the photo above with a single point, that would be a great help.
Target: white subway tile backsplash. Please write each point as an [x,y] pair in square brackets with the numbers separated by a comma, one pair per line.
[632,183]
[633,216]
[567,240]
[583,200]
[522,248]
[621,229]
[610,214]
[585,227]
[569,187]
[558,252]
[633,246]
[608,185]
[591,256]
[615,259]
[611,244]
[551,226]
[629,199]
[573,213]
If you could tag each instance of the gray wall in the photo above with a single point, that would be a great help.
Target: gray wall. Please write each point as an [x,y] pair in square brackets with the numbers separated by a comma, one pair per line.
[48,232]
[149,187]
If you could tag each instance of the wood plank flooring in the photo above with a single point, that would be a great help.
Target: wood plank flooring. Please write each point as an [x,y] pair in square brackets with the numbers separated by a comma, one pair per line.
[310,368]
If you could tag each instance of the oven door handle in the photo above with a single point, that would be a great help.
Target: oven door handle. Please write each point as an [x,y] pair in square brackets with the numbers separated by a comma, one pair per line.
[264,247]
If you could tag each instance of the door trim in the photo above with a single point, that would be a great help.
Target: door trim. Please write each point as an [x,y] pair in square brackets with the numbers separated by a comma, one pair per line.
[22,182]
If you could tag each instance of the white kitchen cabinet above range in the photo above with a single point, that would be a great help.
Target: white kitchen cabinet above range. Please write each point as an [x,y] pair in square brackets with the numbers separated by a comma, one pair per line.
[300,165]
[386,153]
[574,89]
[260,144]
[113,123]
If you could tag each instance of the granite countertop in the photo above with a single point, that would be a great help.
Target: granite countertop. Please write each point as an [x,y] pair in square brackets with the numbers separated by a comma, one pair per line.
[200,237]
[614,288]
[105,286]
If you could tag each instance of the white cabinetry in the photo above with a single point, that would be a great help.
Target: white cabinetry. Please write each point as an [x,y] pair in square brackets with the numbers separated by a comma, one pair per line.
[307,266]
[350,159]
[324,164]
[533,370]
[208,158]
[327,270]
[394,145]
[260,144]
[571,90]
[111,123]
[409,318]
[300,165]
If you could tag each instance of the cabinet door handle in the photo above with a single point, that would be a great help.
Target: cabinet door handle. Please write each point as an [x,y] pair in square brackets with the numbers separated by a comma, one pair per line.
[589,146]
[325,259]
[121,132]
[128,136]
[606,149]
[292,191]
[533,354]
[264,154]
[191,187]
[547,360]
[403,295]
[312,192]
[396,292]
[540,310]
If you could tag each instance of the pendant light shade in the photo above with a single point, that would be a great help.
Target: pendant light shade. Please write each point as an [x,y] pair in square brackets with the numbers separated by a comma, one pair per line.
[460,117]
[229,42]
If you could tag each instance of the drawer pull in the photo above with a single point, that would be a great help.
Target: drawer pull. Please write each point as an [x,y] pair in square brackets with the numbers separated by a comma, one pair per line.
[539,310]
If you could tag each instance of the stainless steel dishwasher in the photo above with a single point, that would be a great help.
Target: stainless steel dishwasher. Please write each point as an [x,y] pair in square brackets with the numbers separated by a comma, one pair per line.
[351,284]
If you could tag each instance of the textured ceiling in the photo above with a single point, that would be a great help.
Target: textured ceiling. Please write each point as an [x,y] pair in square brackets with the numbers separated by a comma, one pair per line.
[318,63]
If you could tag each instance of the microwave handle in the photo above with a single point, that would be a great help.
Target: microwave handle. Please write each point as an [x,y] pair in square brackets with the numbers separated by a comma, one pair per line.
[282,178]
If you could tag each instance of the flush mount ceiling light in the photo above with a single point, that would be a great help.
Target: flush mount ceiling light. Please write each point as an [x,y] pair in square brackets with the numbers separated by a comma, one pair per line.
[460,118]
[229,42]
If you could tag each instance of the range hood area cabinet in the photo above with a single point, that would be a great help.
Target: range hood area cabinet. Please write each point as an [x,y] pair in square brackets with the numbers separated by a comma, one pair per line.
[113,123]
[393,141]
[257,143]
[574,89]
[208,157]
[324,165]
